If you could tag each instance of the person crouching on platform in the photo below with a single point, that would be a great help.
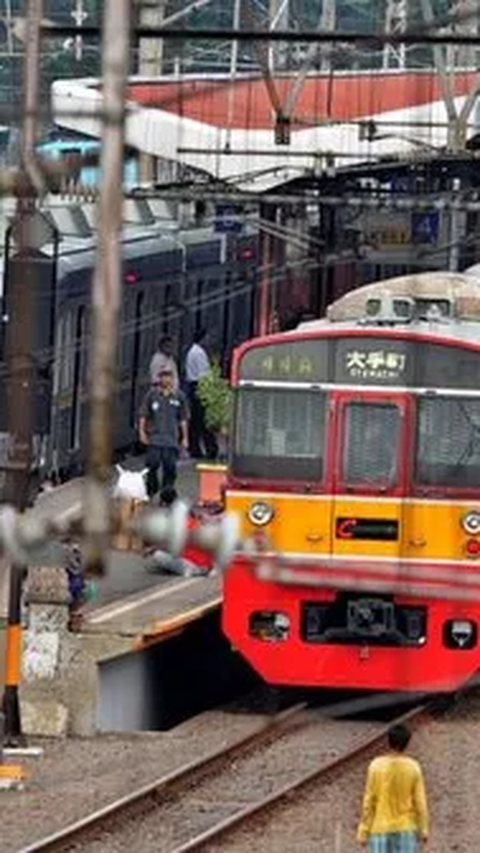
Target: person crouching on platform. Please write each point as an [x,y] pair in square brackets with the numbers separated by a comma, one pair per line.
[163,429]
[81,588]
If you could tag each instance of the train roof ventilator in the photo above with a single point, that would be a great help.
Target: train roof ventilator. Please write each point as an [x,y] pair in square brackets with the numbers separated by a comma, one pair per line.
[387,310]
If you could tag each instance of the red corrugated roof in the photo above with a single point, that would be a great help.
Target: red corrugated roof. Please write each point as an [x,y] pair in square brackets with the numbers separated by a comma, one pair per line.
[338,97]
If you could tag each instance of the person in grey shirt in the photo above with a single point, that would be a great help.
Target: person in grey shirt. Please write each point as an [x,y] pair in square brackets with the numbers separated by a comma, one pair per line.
[163,357]
[162,428]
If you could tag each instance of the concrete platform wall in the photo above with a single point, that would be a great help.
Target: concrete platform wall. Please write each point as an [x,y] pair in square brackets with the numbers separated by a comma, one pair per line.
[124,702]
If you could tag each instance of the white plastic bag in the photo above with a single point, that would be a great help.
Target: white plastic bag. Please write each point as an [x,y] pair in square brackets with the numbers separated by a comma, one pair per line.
[130,485]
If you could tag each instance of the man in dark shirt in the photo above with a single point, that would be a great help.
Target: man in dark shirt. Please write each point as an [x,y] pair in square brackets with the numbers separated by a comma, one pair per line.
[162,424]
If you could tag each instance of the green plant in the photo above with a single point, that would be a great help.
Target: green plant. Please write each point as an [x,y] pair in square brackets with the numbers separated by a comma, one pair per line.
[215,395]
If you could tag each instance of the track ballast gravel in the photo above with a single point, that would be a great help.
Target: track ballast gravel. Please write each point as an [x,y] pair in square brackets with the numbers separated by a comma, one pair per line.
[76,777]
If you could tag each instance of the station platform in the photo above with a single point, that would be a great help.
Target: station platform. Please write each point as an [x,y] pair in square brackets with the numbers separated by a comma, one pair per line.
[162,611]
[79,676]
[133,600]
[127,571]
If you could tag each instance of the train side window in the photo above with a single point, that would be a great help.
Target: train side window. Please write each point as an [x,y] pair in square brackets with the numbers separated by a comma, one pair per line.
[371,444]
[448,442]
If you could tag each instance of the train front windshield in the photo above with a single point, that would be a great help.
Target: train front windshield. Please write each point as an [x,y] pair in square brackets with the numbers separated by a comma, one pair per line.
[448,442]
[280,434]
[388,399]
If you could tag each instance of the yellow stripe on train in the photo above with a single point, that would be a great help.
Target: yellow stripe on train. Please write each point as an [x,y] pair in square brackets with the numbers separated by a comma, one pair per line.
[342,525]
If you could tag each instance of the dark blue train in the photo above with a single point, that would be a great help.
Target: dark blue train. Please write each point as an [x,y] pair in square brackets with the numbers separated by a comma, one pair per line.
[172,284]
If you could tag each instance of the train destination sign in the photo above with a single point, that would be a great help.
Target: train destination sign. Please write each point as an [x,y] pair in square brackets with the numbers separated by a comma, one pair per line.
[376,364]
[373,361]
[364,360]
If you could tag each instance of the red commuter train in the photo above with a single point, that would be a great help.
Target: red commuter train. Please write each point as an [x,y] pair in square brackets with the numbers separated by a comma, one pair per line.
[355,468]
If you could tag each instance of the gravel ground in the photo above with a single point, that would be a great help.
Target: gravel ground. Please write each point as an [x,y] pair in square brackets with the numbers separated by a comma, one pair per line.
[307,741]
[75,777]
[325,819]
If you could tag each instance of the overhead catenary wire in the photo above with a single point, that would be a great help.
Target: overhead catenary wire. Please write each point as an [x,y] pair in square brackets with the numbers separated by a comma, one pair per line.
[419,36]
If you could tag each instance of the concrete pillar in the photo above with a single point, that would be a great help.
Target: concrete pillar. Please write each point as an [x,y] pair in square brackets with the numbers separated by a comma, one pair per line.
[150,62]
[47,599]
[146,168]
[4,587]
[60,689]
[151,14]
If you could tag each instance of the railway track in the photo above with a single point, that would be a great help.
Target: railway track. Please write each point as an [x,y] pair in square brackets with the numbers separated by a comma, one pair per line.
[193,807]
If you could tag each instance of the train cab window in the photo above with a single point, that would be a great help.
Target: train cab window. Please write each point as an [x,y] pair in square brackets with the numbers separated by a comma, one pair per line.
[371,444]
[279,434]
[448,442]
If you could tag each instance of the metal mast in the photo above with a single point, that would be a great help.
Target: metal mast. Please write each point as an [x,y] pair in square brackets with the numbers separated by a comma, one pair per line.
[327,23]
[19,339]
[395,23]
[463,56]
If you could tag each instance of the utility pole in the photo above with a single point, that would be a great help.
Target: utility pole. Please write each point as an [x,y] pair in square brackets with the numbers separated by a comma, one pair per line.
[107,284]
[19,338]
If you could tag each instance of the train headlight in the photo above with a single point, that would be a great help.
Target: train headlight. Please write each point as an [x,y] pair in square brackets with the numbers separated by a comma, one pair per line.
[471,522]
[260,513]
[460,634]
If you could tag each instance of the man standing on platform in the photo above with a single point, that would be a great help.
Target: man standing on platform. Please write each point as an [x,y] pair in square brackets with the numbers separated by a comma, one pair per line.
[163,357]
[197,365]
[163,429]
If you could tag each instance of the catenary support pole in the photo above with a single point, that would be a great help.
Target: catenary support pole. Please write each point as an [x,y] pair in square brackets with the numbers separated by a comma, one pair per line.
[107,284]
[21,378]
[13,660]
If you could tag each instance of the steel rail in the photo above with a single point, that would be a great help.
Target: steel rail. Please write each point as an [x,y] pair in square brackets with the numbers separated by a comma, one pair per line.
[320,774]
[143,800]
[139,799]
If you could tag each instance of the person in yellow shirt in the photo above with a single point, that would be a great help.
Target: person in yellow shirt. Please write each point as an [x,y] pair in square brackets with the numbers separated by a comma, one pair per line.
[394,814]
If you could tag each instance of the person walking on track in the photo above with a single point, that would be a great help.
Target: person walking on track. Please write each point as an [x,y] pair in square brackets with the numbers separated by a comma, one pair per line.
[163,429]
[197,365]
[394,814]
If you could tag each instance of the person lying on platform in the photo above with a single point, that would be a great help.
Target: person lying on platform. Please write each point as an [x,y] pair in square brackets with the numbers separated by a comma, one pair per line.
[193,562]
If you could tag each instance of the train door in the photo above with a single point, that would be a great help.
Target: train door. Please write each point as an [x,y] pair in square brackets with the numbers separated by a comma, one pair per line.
[78,380]
[136,364]
[369,487]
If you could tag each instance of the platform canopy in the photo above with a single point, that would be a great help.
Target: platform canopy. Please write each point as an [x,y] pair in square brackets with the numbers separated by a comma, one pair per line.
[232,129]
